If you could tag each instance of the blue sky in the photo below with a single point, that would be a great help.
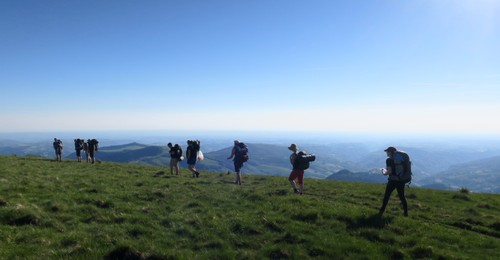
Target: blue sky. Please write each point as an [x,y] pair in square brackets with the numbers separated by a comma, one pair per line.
[283,65]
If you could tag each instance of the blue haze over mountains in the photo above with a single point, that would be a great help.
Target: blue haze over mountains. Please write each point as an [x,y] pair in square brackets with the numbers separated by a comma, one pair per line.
[439,162]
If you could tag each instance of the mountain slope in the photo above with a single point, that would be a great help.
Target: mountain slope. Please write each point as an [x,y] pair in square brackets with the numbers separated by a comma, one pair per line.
[480,175]
[70,210]
[346,175]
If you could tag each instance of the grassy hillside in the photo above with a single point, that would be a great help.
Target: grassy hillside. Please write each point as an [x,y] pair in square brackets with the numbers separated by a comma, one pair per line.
[60,210]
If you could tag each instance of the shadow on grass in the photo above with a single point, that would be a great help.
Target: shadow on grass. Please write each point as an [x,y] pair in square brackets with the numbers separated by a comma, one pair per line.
[373,221]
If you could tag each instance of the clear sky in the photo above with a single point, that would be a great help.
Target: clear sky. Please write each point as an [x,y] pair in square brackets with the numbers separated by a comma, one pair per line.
[419,66]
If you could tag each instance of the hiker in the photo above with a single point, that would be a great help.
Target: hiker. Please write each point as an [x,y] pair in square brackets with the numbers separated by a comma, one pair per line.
[397,167]
[78,149]
[93,147]
[296,172]
[175,157]
[240,154]
[86,150]
[58,146]
[192,156]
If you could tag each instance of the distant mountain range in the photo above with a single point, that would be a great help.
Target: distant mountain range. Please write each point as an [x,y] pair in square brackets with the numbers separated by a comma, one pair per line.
[479,175]
[477,170]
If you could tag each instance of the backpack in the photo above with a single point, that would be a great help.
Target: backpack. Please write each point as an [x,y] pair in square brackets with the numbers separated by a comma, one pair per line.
[58,144]
[241,152]
[95,144]
[78,144]
[303,160]
[402,167]
[177,152]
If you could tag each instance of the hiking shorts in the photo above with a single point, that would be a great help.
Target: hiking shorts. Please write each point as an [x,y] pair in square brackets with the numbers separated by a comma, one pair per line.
[174,162]
[297,174]
[237,166]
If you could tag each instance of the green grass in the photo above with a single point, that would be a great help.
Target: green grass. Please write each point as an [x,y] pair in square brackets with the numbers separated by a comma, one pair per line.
[70,210]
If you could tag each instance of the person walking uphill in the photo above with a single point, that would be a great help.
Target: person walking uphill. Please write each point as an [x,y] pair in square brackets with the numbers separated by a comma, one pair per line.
[398,168]
[192,156]
[175,157]
[240,154]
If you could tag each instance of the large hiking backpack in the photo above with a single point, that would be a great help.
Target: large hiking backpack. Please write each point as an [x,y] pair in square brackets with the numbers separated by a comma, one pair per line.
[78,144]
[303,160]
[94,143]
[402,165]
[241,152]
[177,152]
[57,144]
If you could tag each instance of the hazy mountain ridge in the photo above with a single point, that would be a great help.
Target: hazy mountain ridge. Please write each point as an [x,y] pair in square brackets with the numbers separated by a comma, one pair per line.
[479,175]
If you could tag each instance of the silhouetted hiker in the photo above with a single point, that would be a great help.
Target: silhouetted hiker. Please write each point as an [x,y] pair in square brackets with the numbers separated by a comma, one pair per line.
[192,156]
[86,150]
[78,149]
[240,154]
[93,147]
[296,172]
[58,146]
[398,168]
[175,157]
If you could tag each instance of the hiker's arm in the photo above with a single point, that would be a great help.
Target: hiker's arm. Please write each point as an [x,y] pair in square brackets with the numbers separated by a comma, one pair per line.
[388,167]
[292,158]
[233,152]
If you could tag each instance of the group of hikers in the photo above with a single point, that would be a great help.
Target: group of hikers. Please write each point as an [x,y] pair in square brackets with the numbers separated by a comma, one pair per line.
[89,147]
[193,154]
[398,167]
[398,164]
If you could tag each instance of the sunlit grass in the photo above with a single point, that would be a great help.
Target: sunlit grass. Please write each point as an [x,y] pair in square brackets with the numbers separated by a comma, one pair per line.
[90,211]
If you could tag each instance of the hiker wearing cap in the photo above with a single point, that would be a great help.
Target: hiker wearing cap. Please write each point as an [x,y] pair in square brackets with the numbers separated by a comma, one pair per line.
[395,167]
[240,154]
[296,172]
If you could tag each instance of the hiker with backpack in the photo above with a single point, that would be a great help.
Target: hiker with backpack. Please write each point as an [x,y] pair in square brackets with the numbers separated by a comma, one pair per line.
[240,155]
[86,150]
[300,162]
[192,156]
[398,170]
[58,146]
[93,147]
[175,157]
[78,149]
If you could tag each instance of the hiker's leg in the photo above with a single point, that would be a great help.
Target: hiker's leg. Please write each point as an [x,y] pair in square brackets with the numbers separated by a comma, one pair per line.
[402,197]
[291,178]
[172,166]
[238,178]
[176,167]
[191,169]
[388,190]
[237,170]
[300,177]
